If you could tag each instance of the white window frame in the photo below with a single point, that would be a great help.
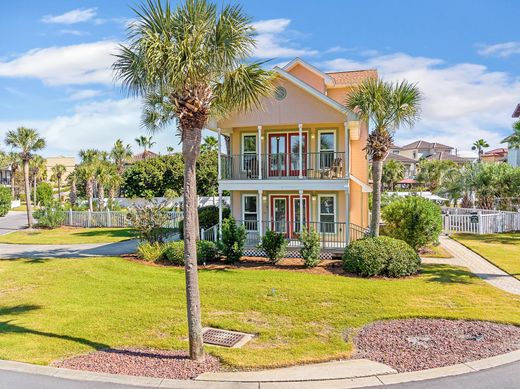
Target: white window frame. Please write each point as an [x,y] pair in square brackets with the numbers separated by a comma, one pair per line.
[335,204]
[243,149]
[318,144]
[244,195]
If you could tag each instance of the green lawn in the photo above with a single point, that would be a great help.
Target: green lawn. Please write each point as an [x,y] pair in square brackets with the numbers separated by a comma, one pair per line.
[68,235]
[501,249]
[61,307]
[432,251]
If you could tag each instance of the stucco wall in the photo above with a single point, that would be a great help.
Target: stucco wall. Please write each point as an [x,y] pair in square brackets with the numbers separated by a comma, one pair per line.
[308,77]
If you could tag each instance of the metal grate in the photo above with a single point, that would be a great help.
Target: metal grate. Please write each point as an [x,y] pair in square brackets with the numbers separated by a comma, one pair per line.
[221,337]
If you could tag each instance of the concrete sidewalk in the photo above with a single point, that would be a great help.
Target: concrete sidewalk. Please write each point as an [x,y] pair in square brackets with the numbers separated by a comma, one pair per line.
[462,256]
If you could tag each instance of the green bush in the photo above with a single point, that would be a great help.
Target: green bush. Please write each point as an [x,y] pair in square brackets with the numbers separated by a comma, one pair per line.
[207,251]
[5,200]
[50,216]
[380,256]
[22,197]
[274,245]
[233,240]
[174,252]
[44,193]
[414,219]
[150,252]
[311,249]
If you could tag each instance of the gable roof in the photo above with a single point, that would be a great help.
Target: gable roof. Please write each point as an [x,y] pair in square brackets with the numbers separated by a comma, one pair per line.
[144,155]
[329,81]
[399,158]
[422,144]
[354,77]
[496,152]
[442,156]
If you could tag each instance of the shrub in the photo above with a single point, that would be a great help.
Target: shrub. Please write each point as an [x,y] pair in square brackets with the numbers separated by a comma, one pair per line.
[233,240]
[207,251]
[5,200]
[150,252]
[44,193]
[311,249]
[414,219]
[50,216]
[274,245]
[174,252]
[380,256]
[148,220]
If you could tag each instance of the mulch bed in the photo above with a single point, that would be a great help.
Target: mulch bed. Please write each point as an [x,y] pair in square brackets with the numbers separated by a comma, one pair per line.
[417,344]
[141,362]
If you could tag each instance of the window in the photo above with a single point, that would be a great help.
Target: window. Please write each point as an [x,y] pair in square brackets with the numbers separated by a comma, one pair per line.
[250,212]
[249,152]
[327,147]
[327,214]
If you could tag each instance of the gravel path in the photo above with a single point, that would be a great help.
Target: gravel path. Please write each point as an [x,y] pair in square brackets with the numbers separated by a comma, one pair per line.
[416,344]
[141,362]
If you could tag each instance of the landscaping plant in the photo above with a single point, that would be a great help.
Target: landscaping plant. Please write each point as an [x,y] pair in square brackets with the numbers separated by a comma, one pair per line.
[274,245]
[5,200]
[311,249]
[148,220]
[44,194]
[50,216]
[414,219]
[150,252]
[233,240]
[174,252]
[207,251]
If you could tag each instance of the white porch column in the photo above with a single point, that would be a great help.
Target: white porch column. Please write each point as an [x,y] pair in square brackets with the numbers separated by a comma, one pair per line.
[301,209]
[259,151]
[347,213]
[347,151]
[300,146]
[219,157]
[219,213]
[260,211]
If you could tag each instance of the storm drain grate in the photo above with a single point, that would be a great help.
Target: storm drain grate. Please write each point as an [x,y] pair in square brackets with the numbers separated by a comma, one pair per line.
[224,338]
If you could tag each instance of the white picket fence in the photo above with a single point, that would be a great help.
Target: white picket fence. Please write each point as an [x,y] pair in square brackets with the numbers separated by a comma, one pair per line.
[110,219]
[479,221]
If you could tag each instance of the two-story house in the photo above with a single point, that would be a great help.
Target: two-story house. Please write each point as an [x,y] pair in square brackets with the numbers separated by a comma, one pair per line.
[298,161]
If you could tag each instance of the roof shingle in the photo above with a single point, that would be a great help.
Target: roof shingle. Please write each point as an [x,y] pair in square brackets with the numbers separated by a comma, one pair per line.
[353,77]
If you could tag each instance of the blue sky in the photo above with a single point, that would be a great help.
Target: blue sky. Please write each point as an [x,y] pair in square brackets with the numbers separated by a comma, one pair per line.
[464,55]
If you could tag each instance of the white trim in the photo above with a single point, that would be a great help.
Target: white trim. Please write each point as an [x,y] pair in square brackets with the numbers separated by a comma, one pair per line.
[288,184]
[318,144]
[270,215]
[329,80]
[318,210]
[364,187]
[244,195]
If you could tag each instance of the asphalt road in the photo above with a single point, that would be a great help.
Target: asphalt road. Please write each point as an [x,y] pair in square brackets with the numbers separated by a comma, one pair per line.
[13,221]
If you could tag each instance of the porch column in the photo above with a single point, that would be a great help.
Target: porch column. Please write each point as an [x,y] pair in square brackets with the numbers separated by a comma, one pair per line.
[347,150]
[259,152]
[219,157]
[347,213]
[219,212]
[301,209]
[260,211]
[300,157]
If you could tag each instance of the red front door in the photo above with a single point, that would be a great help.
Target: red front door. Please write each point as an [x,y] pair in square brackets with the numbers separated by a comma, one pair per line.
[277,155]
[294,154]
[285,214]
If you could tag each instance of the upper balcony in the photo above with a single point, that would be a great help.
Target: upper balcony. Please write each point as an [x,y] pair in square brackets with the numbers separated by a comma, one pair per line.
[324,165]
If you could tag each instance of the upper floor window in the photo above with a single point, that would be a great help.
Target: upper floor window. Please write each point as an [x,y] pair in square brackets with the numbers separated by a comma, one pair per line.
[249,151]
[327,147]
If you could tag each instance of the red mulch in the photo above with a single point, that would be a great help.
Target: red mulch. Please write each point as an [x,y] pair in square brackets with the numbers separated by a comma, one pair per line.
[417,344]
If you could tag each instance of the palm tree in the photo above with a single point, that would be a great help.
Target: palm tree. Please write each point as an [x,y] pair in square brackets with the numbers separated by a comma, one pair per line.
[120,154]
[210,144]
[28,141]
[103,173]
[170,150]
[73,179]
[88,169]
[14,164]
[479,145]
[188,64]
[386,106]
[37,171]
[57,174]
[393,172]
[114,183]
[145,142]
[513,140]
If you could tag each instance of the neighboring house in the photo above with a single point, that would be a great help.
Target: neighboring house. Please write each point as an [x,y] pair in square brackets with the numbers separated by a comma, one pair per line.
[298,161]
[513,157]
[448,156]
[142,156]
[68,162]
[495,155]
[5,176]
[410,164]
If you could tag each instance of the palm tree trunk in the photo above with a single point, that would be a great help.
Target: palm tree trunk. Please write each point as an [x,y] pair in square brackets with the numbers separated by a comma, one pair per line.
[101,197]
[90,194]
[190,151]
[27,193]
[13,185]
[377,172]
[59,189]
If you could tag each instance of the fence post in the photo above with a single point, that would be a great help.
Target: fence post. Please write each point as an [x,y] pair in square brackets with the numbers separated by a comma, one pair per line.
[109,218]
[70,217]
[480,221]
[202,237]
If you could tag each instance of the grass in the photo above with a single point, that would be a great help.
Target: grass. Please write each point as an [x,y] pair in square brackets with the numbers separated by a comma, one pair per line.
[21,207]
[438,251]
[57,308]
[503,250]
[68,235]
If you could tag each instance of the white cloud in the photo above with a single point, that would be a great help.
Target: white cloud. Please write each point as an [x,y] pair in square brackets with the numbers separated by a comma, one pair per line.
[83,94]
[71,17]
[274,40]
[462,102]
[502,50]
[72,32]
[76,64]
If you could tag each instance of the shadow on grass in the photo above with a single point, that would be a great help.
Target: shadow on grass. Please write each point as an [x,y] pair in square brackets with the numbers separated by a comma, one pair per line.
[505,238]
[6,327]
[446,274]
[111,233]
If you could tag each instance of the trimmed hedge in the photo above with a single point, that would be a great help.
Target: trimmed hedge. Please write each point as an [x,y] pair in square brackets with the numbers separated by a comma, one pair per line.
[173,252]
[5,200]
[381,256]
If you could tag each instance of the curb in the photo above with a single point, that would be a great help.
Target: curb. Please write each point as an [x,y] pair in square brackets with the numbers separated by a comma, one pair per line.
[374,380]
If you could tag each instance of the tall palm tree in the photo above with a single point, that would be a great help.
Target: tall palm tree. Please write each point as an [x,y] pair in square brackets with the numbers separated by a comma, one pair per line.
[87,170]
[27,140]
[14,162]
[103,173]
[170,150]
[189,65]
[114,184]
[120,154]
[37,172]
[480,145]
[57,174]
[145,142]
[73,180]
[513,140]
[386,106]
[210,144]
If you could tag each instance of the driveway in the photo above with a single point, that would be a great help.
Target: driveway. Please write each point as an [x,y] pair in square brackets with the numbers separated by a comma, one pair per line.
[13,221]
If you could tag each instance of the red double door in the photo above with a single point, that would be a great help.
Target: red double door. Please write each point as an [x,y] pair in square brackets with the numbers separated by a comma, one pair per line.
[284,154]
[285,214]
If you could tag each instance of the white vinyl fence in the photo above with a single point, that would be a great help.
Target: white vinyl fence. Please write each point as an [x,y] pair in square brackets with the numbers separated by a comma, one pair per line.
[110,219]
[479,221]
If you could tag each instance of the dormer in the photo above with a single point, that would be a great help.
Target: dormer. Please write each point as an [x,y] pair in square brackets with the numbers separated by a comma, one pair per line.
[309,74]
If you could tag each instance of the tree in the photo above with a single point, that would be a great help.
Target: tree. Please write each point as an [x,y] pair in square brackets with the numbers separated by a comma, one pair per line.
[393,172]
[145,142]
[513,140]
[57,174]
[188,64]
[387,106]
[87,171]
[479,145]
[14,162]
[37,172]
[73,179]
[433,172]
[210,144]
[170,150]
[27,140]
[104,170]
[120,154]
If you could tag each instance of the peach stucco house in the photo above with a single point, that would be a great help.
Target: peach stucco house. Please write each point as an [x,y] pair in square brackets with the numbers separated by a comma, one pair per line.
[299,158]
